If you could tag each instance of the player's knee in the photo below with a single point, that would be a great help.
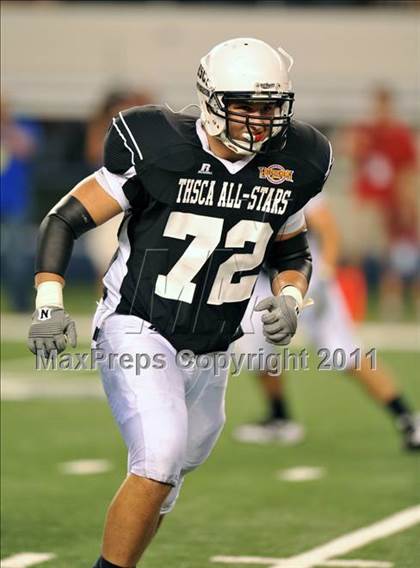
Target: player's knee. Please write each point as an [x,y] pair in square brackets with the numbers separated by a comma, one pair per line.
[161,461]
[171,498]
[155,490]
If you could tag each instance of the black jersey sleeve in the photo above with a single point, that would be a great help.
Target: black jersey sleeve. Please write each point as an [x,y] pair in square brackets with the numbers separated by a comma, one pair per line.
[326,164]
[120,145]
[321,158]
[119,174]
[310,154]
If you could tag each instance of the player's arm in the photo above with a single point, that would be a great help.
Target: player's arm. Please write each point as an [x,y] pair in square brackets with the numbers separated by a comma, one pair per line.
[110,190]
[406,183]
[289,264]
[86,206]
[83,208]
[322,223]
[407,190]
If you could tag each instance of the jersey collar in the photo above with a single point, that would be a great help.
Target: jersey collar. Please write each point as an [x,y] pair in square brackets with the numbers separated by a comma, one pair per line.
[232,167]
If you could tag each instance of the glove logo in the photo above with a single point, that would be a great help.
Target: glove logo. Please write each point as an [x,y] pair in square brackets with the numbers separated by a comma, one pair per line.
[44,314]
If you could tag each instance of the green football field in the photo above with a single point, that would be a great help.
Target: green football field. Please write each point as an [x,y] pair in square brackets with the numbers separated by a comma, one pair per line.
[235,505]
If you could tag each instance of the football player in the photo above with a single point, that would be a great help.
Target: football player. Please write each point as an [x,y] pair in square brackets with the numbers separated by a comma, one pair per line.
[327,325]
[206,202]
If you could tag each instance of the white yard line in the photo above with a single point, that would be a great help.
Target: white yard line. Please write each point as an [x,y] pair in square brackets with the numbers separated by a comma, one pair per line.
[28,361]
[23,387]
[14,327]
[334,563]
[339,546]
[26,559]
[357,564]
[356,539]
[301,474]
[85,467]
[263,560]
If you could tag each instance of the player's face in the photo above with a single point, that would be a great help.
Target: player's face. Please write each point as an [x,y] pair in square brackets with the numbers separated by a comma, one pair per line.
[258,116]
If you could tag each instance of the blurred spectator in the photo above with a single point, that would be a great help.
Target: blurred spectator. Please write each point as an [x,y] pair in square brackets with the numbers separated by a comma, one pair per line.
[19,139]
[384,157]
[113,103]
[60,162]
[102,242]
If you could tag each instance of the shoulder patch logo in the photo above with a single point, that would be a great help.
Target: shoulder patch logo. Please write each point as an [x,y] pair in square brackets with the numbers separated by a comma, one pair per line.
[276,174]
[205,169]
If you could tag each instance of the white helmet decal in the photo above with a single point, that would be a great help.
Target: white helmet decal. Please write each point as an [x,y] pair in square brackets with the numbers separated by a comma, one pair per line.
[250,70]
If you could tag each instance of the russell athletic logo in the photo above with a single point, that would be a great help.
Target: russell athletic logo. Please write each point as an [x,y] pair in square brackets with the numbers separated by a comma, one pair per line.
[205,169]
[276,174]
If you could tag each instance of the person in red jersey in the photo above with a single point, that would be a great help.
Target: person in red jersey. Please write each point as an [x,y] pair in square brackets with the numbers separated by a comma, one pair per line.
[383,152]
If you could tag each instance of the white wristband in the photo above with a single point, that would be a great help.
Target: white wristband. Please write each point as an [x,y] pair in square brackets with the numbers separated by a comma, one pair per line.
[295,293]
[49,294]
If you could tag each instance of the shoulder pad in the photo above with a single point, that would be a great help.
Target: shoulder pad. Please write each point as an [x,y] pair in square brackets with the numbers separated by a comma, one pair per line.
[310,145]
[159,135]
[309,154]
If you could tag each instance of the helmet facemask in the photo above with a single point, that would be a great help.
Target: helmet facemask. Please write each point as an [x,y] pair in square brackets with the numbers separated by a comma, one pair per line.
[273,123]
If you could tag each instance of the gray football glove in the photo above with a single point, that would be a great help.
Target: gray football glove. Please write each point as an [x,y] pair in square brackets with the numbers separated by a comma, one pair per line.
[280,323]
[50,330]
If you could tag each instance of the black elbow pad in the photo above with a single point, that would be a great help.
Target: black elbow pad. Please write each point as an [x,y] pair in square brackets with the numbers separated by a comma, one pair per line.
[290,254]
[74,214]
[57,233]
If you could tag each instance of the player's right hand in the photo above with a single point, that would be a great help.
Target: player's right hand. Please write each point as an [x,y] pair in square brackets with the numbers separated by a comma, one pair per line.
[50,330]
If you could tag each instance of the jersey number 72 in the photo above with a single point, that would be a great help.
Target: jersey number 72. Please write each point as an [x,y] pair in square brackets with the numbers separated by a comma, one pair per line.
[178,285]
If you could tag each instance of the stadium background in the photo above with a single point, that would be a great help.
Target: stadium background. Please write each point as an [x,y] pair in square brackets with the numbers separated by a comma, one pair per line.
[59,61]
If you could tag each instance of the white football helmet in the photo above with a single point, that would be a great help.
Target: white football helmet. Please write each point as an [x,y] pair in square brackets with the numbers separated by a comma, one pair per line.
[244,71]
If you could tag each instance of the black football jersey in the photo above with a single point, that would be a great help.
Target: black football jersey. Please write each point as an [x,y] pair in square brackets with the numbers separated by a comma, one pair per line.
[197,228]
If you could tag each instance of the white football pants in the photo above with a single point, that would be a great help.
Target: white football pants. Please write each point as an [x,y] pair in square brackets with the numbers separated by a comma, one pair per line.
[170,417]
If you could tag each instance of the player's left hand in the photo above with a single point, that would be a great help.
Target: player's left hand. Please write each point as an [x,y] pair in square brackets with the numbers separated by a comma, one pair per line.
[280,323]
